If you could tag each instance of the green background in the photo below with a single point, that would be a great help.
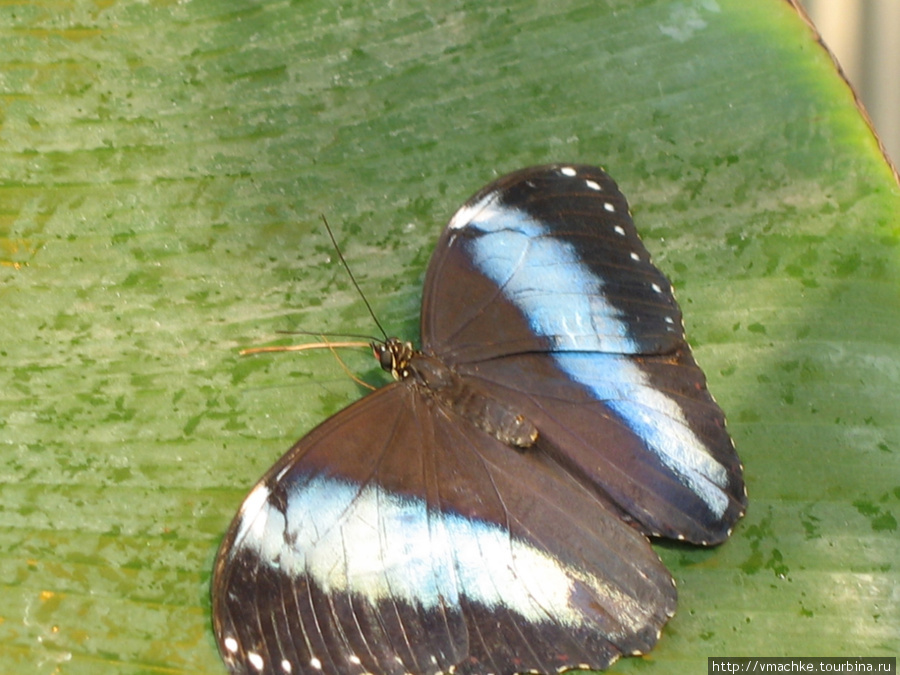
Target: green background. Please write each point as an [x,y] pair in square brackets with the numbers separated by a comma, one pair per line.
[163,168]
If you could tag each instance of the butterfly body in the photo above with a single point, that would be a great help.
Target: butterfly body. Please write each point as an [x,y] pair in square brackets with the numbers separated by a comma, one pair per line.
[436,379]
[488,512]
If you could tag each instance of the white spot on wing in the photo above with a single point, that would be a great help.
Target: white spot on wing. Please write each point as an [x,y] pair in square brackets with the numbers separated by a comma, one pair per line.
[231,644]
[568,171]
[251,510]
[256,660]
[593,185]
[609,207]
[286,666]
[315,663]
[619,230]
[469,212]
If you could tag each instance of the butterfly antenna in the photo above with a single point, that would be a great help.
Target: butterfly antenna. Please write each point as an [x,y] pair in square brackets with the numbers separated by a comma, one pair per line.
[304,347]
[352,278]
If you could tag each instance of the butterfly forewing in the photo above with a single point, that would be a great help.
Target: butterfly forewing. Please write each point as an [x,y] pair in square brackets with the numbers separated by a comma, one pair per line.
[551,261]
[416,543]
[315,574]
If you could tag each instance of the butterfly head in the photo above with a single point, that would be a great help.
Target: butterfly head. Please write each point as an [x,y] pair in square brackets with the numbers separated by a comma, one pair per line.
[394,355]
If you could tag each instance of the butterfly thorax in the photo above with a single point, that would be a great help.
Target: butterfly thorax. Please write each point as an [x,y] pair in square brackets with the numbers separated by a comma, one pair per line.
[451,390]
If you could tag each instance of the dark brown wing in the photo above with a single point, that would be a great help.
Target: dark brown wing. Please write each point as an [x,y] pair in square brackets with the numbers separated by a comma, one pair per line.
[398,538]
[541,287]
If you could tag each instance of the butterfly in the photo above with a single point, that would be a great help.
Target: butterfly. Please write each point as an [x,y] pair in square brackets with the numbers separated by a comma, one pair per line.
[488,512]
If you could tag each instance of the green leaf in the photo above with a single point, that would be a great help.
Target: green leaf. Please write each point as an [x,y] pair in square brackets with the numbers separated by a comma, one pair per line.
[164,166]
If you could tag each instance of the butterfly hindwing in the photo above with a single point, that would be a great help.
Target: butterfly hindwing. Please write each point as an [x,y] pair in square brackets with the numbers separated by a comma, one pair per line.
[657,446]
[398,538]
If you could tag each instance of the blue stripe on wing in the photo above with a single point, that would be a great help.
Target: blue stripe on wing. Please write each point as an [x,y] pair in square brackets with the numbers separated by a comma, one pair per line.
[544,277]
[657,419]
